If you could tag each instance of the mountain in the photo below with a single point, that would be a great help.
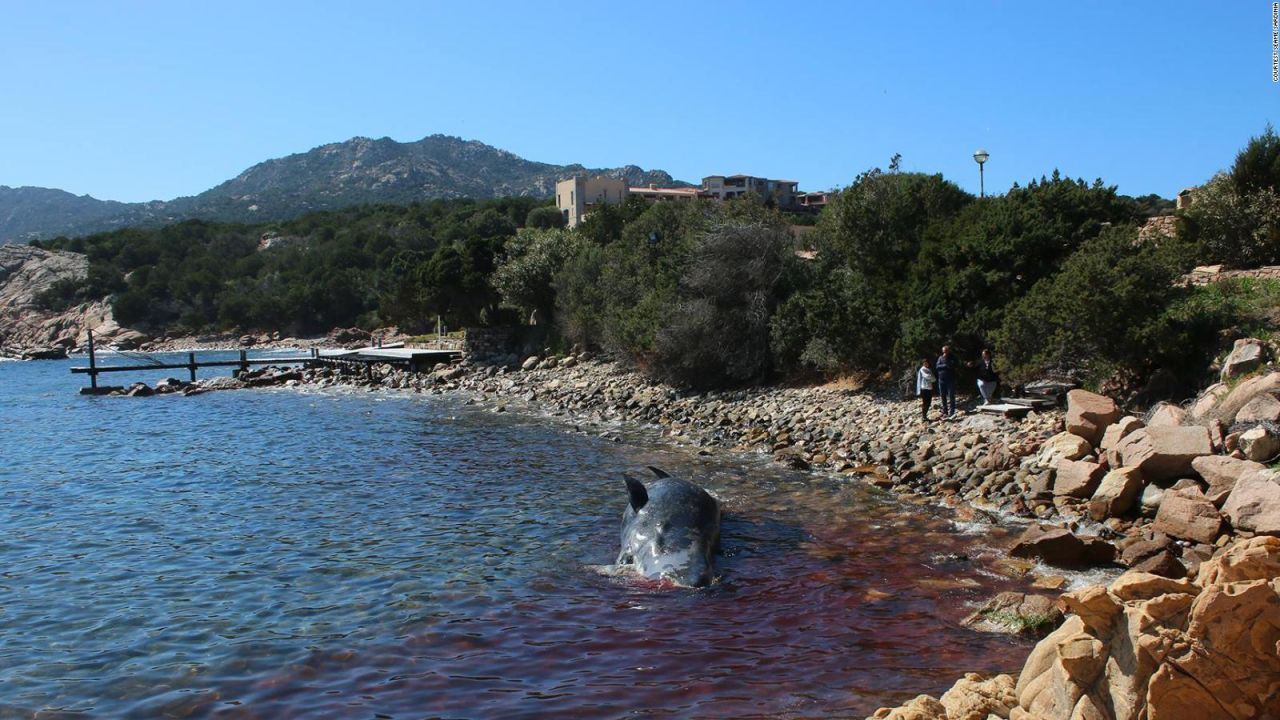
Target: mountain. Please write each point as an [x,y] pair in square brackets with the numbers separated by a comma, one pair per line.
[360,170]
[32,212]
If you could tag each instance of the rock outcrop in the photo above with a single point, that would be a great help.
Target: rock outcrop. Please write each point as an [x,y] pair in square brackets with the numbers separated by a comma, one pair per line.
[1147,647]
[28,330]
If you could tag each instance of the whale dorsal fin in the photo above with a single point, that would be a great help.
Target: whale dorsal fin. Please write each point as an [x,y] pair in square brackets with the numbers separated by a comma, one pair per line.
[657,472]
[639,496]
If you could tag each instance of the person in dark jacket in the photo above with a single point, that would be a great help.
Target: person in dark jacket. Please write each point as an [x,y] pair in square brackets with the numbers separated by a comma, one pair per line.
[988,379]
[945,368]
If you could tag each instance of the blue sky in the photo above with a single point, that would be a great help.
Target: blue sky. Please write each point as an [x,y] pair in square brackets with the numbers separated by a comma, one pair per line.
[151,100]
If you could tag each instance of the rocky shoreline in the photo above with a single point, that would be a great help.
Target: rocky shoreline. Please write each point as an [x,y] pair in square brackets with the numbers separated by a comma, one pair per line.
[1173,497]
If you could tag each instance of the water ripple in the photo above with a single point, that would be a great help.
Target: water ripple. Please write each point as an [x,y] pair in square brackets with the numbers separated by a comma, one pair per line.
[347,554]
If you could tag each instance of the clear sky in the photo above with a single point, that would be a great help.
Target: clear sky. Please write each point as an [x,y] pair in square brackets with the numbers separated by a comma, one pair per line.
[152,100]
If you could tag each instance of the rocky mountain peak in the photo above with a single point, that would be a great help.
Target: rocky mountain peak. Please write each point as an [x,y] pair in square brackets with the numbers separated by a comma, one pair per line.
[331,176]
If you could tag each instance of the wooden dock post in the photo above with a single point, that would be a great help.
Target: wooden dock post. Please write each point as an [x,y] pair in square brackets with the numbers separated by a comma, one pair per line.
[244,361]
[191,365]
[93,366]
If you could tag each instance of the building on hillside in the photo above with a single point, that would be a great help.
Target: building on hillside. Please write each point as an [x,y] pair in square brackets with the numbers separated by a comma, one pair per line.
[727,187]
[1186,198]
[814,200]
[577,195]
[656,194]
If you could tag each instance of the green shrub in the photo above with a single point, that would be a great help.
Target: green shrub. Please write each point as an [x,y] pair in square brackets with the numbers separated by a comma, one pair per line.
[718,331]
[580,299]
[524,277]
[973,267]
[1238,229]
[545,218]
[832,320]
[1107,310]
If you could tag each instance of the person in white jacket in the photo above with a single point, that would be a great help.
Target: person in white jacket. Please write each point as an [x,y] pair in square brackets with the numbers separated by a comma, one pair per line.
[925,382]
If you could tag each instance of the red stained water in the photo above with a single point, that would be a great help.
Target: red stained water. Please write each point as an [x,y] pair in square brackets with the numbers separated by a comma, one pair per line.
[855,606]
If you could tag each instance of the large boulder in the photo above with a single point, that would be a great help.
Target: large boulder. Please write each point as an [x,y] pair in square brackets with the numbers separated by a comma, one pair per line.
[1076,478]
[1187,514]
[1222,472]
[1254,503]
[1164,452]
[1116,493]
[1247,355]
[1208,399]
[1063,446]
[1089,414]
[1247,390]
[1165,415]
[1116,432]
[1153,554]
[1164,649]
[1259,444]
[1063,548]
[1262,408]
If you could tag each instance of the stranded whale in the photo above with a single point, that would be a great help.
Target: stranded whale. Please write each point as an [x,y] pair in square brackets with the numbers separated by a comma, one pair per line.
[670,529]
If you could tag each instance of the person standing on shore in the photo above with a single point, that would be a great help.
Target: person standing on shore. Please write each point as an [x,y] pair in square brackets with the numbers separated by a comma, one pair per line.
[925,381]
[945,368]
[988,379]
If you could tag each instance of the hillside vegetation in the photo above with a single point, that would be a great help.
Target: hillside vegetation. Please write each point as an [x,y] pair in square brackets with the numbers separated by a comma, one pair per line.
[1052,274]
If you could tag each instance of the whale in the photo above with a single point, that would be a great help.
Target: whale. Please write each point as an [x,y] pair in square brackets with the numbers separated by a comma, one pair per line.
[670,530]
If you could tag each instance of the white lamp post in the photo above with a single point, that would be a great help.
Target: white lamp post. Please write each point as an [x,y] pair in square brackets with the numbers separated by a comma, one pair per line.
[981,158]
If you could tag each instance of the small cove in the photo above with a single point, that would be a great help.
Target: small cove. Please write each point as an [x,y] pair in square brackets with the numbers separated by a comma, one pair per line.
[345,553]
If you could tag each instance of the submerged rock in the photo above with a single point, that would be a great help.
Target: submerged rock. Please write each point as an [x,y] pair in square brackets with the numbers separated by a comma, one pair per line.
[1015,613]
[1062,548]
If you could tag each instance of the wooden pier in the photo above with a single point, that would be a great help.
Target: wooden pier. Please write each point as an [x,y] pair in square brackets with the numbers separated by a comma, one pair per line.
[413,359]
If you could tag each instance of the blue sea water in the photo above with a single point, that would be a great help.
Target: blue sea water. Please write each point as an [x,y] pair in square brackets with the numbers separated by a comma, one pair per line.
[346,553]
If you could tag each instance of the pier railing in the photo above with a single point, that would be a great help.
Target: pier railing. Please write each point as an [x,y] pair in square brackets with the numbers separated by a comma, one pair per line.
[411,358]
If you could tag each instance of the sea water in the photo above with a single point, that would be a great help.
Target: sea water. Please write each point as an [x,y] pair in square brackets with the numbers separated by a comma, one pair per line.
[346,553]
